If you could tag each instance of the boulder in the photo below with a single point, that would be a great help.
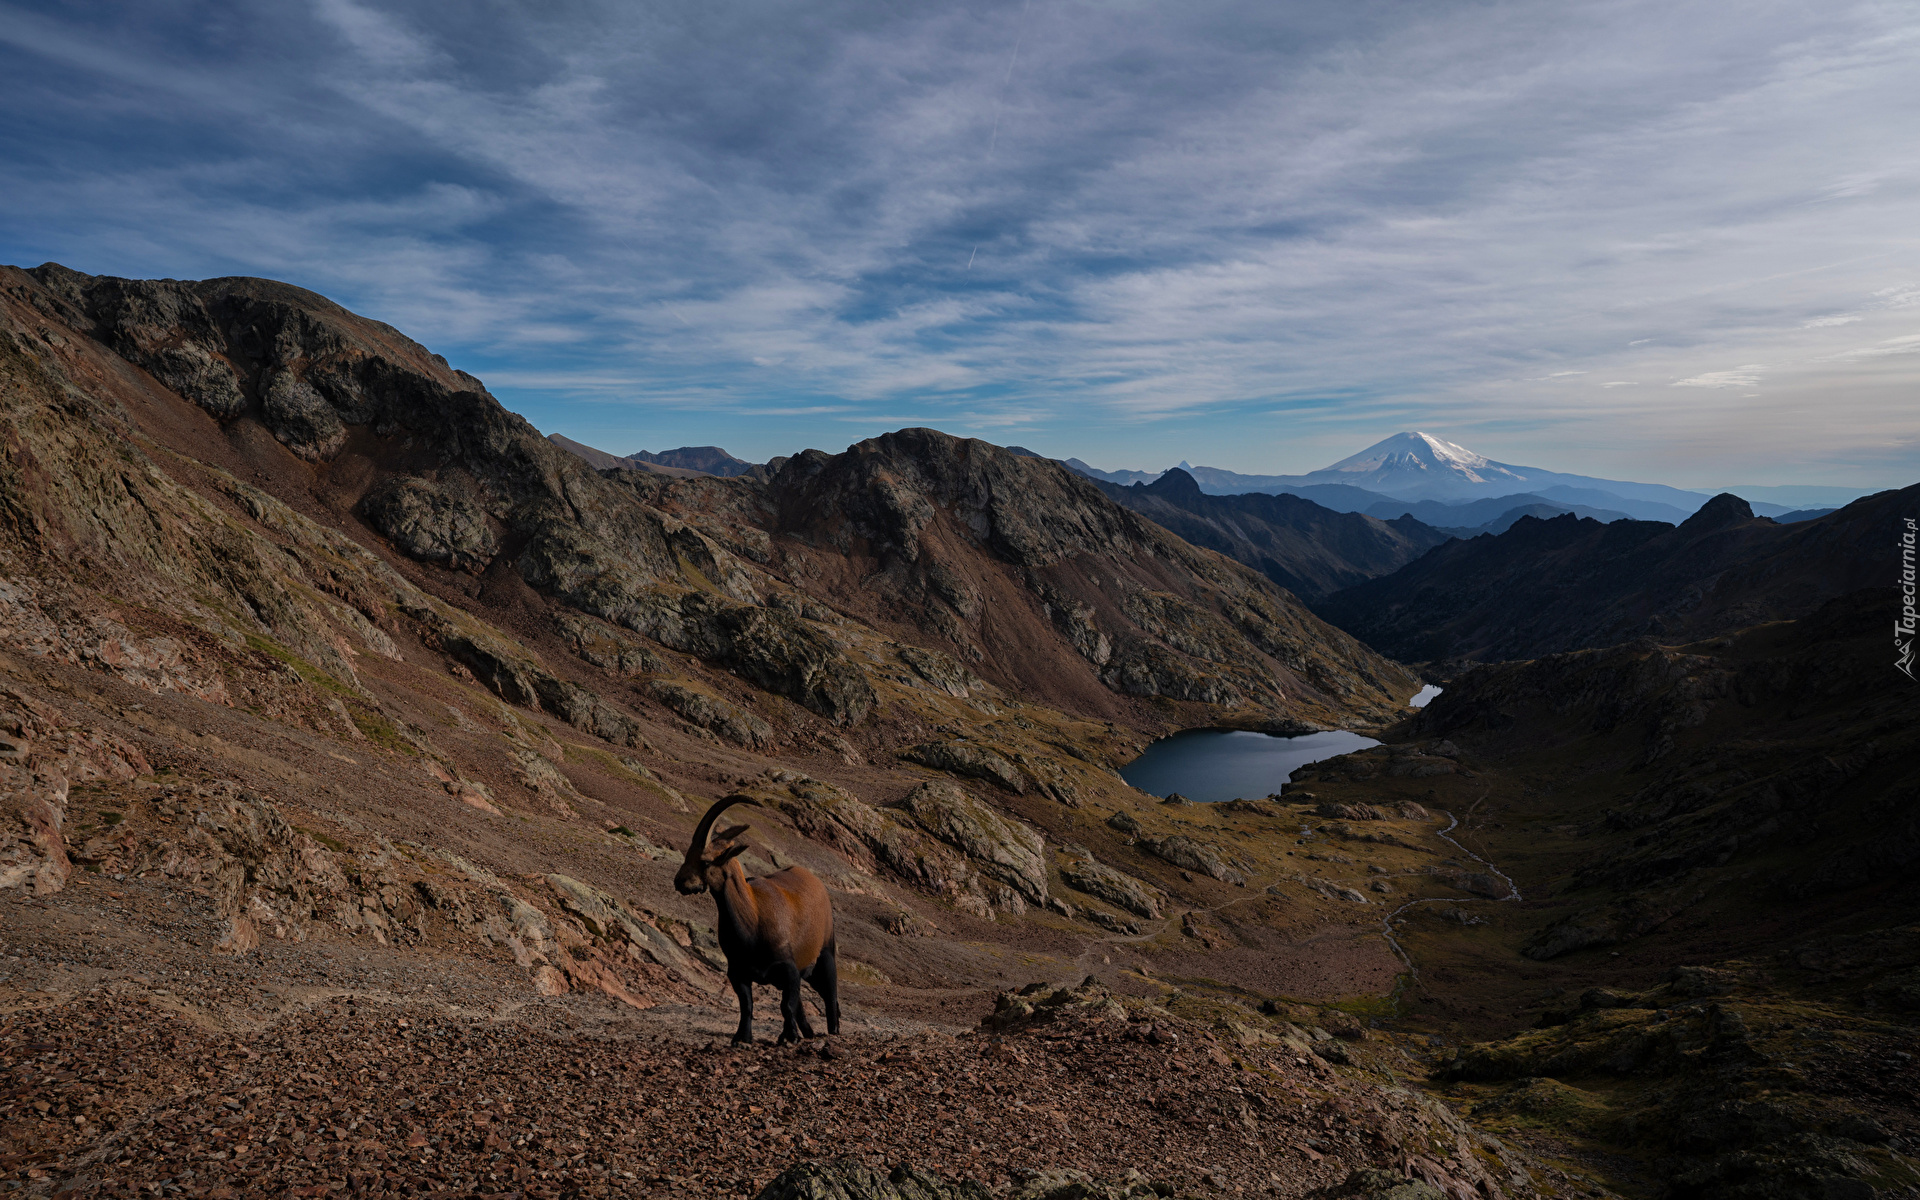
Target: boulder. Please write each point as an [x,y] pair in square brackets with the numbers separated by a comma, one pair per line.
[1350,812]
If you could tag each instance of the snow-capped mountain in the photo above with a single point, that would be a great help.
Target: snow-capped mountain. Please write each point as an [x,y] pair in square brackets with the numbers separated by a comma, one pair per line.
[1416,461]
[1419,466]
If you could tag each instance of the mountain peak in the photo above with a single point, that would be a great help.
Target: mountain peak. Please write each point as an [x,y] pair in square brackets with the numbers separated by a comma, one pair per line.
[1412,448]
[1718,513]
[1176,483]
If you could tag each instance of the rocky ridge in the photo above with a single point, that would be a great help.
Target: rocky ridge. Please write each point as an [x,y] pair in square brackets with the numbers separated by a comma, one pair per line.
[1310,550]
[1569,583]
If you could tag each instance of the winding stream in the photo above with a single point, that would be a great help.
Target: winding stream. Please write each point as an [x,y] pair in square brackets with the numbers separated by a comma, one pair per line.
[1513,892]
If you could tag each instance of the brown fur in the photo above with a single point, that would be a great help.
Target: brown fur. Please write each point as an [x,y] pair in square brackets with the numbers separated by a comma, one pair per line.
[776,930]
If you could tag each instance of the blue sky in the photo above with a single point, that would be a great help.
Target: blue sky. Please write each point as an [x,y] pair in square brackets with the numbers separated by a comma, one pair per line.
[1670,241]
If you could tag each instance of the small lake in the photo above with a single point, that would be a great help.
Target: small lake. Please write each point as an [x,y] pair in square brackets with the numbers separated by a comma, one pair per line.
[1425,696]
[1212,765]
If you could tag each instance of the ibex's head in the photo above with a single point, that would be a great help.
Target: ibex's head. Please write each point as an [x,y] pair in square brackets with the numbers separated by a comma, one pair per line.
[705,865]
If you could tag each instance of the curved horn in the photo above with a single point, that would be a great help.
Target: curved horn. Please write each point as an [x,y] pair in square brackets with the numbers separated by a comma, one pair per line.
[704,830]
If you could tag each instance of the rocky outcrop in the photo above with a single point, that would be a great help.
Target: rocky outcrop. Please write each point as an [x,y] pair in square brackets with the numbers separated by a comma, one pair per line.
[939,838]
[963,758]
[1204,857]
[428,522]
[710,712]
[1004,849]
[1096,879]
[770,647]
[608,647]
[43,756]
[940,670]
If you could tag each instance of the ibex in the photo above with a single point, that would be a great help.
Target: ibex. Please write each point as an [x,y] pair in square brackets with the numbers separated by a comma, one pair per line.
[777,930]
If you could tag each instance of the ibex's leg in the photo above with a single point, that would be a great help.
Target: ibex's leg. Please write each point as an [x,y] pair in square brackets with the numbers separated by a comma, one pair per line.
[826,981]
[744,991]
[794,1017]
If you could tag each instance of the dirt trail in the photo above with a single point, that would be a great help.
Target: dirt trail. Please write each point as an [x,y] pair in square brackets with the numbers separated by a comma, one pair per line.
[1513,892]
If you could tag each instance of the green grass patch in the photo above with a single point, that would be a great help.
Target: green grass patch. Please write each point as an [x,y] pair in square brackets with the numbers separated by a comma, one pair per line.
[380,732]
[333,844]
[306,670]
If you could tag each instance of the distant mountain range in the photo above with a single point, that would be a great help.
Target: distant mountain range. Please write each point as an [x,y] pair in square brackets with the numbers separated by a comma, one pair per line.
[1548,586]
[1304,547]
[687,460]
[1492,515]
[1414,466]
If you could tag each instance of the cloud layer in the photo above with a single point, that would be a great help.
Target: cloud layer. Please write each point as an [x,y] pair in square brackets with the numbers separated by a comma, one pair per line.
[1631,239]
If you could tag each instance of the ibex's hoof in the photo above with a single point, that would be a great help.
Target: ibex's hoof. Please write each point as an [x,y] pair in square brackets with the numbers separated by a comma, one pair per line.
[743,1039]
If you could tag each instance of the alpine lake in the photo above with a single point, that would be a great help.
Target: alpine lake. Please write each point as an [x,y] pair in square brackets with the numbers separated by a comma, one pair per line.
[1216,765]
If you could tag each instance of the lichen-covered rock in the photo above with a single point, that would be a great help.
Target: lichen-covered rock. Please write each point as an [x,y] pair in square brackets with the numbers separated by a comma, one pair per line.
[851,1179]
[142,320]
[429,522]
[710,712]
[964,758]
[1006,850]
[1115,887]
[875,840]
[1204,857]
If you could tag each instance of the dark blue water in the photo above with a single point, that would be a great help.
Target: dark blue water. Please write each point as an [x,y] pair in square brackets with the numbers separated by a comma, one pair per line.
[1226,764]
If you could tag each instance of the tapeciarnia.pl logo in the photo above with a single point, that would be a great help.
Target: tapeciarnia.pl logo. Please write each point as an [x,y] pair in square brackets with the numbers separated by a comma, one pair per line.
[1903,627]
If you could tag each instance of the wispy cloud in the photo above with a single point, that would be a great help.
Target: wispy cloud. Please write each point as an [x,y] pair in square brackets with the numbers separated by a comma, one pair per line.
[1259,235]
[1738,377]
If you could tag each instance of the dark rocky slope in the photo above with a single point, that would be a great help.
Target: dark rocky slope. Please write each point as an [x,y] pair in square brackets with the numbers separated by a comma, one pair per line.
[1309,550]
[1571,583]
[1706,976]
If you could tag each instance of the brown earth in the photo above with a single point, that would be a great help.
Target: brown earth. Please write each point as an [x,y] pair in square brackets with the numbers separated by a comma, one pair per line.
[324,678]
